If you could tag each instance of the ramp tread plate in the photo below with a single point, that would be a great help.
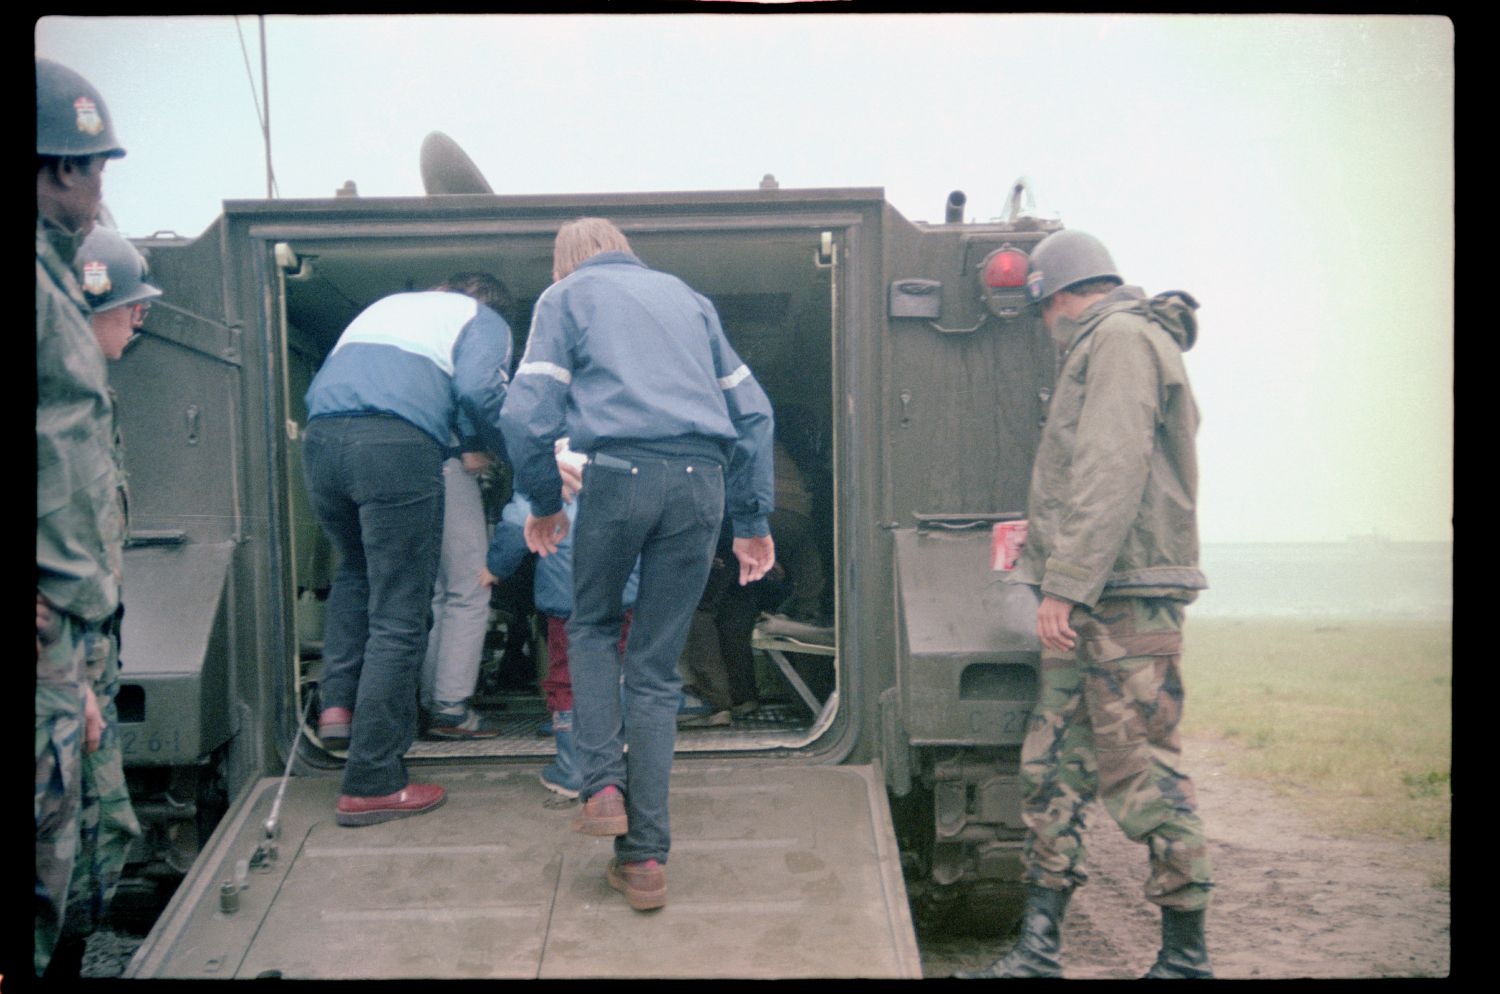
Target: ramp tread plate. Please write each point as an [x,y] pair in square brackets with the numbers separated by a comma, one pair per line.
[775,871]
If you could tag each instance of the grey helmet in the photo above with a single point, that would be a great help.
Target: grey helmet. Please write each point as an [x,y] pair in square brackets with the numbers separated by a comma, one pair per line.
[1065,258]
[112,271]
[71,118]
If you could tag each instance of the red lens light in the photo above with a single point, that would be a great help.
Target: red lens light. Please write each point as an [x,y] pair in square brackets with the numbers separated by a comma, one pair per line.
[1006,269]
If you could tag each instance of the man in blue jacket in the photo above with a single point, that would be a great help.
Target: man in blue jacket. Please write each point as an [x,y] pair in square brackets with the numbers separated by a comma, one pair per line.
[408,371]
[634,367]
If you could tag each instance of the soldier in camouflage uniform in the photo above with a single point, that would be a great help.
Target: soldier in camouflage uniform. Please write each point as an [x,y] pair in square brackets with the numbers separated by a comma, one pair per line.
[1112,547]
[113,275]
[80,526]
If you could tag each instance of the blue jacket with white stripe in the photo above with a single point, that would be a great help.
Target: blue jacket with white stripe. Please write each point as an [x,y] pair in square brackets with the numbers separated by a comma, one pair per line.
[620,355]
[435,358]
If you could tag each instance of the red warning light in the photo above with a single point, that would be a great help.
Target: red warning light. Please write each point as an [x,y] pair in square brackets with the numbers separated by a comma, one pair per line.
[1005,269]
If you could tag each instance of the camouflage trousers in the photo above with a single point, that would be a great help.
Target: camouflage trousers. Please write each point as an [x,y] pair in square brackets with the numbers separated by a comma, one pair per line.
[60,673]
[1105,727]
[101,824]
[108,822]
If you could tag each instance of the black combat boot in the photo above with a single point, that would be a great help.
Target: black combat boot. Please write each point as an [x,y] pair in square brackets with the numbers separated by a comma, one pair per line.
[1184,954]
[1038,952]
[67,958]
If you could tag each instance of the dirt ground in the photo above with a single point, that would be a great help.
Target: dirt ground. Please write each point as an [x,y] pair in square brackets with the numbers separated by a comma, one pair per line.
[1289,901]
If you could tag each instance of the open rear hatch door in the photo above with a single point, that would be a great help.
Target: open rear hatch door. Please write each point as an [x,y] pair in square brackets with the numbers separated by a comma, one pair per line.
[777,870]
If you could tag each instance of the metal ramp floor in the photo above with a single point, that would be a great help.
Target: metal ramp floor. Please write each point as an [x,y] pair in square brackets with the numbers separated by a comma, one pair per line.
[776,871]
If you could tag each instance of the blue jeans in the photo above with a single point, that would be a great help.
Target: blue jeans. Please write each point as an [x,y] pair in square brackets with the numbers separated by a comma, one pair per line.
[376,485]
[667,511]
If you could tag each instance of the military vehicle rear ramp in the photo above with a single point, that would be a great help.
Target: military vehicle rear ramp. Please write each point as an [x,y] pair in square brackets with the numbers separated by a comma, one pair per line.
[776,871]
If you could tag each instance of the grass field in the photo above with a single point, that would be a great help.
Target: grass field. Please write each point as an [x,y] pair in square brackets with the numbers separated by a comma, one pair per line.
[1352,720]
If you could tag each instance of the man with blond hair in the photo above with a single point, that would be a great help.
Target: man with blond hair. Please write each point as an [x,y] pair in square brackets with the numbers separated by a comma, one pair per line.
[633,366]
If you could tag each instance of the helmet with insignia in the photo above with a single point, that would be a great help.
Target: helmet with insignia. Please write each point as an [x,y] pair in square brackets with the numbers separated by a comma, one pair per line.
[71,119]
[112,271]
[1067,258]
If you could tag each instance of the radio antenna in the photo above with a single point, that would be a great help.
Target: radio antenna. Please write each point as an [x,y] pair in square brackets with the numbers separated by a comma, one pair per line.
[264,117]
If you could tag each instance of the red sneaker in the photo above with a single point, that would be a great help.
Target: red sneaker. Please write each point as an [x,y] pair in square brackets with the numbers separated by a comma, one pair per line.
[644,884]
[413,799]
[333,727]
[603,814]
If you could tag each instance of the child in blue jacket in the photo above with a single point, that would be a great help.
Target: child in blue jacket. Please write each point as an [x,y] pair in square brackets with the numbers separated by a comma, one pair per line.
[553,595]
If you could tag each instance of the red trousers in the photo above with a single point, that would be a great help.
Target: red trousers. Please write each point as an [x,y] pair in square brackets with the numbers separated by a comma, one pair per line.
[558,684]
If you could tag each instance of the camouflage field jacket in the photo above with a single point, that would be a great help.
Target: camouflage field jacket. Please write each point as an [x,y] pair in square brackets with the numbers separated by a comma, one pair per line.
[1113,489]
[80,526]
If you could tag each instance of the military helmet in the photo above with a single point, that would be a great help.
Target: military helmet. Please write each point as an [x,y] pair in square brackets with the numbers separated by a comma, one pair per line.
[71,118]
[111,270]
[1065,258]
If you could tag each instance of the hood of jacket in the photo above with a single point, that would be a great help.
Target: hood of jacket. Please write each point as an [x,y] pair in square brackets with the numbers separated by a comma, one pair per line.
[1172,310]
[1112,504]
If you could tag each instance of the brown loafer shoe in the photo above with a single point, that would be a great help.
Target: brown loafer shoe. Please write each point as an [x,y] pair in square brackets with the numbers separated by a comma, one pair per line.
[603,814]
[333,727]
[643,884]
[413,799]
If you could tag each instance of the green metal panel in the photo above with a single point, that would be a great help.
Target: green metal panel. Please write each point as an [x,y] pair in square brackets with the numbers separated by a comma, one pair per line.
[964,394]
[178,392]
[174,671]
[969,653]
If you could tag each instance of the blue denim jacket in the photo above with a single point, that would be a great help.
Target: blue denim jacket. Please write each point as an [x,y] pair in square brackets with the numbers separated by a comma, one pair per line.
[621,354]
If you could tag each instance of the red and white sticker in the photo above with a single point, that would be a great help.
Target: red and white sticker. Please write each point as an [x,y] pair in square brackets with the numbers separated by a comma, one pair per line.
[96,278]
[1007,539]
[87,116]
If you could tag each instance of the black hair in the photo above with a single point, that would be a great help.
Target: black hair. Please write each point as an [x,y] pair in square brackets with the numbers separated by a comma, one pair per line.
[483,287]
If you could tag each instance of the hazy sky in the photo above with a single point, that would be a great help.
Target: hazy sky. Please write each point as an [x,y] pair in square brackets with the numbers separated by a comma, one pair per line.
[1295,173]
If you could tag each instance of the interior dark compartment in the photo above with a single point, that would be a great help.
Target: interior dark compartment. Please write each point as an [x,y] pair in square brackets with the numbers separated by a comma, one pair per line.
[776,307]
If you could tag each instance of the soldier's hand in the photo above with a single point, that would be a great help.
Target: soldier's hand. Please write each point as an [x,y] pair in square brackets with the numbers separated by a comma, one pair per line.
[544,534]
[756,556]
[486,578]
[1052,624]
[93,721]
[48,626]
